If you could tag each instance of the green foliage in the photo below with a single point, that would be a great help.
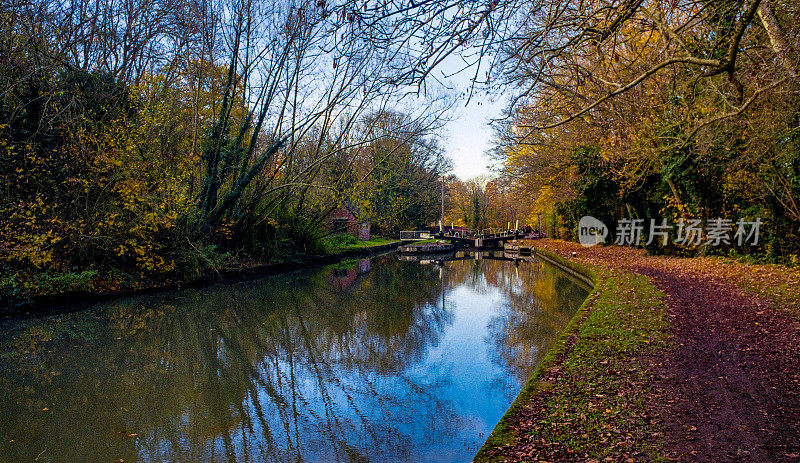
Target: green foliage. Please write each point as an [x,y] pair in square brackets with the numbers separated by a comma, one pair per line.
[475,219]
[342,239]
[197,259]
[17,290]
[11,292]
[597,193]
[404,188]
[343,242]
[56,283]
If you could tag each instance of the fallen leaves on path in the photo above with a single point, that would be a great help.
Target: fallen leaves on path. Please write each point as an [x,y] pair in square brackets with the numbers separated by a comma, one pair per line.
[724,389]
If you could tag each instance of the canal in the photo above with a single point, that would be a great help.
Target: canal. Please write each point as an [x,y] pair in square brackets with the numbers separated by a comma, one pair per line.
[366,360]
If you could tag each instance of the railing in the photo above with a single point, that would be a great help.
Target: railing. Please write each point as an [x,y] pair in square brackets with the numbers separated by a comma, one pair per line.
[460,233]
[484,233]
[414,235]
[488,232]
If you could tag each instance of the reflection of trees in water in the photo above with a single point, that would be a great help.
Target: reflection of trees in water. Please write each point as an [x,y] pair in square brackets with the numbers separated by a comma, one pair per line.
[539,303]
[468,272]
[292,369]
[539,300]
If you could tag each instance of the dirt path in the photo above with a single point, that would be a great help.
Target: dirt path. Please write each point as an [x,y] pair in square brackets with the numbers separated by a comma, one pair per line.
[731,383]
[730,387]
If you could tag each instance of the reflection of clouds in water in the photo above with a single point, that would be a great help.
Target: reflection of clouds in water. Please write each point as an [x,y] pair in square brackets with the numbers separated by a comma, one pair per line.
[298,366]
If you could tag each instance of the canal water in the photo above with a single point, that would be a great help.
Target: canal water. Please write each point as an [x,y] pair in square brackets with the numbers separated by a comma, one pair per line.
[367,360]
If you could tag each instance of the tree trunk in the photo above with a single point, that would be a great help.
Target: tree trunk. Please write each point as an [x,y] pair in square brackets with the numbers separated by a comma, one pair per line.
[777,38]
[681,207]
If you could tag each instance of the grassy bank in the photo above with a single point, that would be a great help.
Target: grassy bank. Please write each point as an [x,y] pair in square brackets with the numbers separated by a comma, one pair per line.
[46,289]
[587,398]
[342,244]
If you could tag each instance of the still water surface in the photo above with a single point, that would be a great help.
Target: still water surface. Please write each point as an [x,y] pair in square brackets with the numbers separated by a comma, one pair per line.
[370,360]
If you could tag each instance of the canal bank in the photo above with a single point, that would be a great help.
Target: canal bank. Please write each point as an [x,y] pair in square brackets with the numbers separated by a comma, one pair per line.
[48,303]
[587,397]
[669,359]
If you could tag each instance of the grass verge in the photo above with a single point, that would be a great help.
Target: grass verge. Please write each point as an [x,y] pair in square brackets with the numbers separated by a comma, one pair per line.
[340,244]
[587,400]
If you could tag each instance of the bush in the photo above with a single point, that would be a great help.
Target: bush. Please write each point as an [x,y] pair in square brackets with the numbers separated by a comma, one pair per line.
[197,258]
[337,243]
[49,283]
[10,291]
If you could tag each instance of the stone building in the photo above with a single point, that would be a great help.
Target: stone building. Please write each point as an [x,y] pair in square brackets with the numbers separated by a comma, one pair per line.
[345,219]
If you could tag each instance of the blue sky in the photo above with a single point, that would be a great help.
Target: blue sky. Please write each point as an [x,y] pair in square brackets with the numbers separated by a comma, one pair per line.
[468,136]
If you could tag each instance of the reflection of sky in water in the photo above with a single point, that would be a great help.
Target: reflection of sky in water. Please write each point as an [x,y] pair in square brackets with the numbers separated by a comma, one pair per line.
[356,362]
[462,355]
